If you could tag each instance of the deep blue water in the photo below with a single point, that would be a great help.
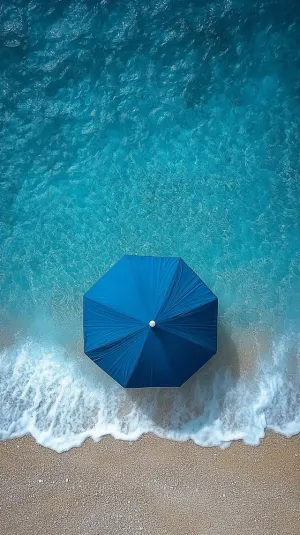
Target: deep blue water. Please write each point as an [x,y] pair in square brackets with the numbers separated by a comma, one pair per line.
[160,127]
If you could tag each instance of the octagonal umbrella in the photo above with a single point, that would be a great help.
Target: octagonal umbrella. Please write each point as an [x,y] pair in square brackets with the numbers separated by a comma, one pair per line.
[150,322]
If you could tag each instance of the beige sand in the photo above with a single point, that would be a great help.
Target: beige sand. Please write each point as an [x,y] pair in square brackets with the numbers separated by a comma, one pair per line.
[151,486]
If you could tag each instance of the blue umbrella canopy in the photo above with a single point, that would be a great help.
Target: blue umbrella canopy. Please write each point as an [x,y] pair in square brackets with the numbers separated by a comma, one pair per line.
[150,321]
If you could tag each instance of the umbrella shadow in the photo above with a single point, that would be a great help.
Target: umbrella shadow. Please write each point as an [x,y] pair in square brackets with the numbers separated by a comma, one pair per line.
[175,412]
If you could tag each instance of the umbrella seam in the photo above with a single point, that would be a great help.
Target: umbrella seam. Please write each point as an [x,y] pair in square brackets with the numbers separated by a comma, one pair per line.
[122,356]
[136,285]
[137,361]
[117,340]
[171,285]
[191,310]
[180,335]
[113,309]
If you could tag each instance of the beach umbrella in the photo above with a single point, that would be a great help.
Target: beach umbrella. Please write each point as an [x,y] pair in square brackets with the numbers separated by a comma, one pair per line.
[150,322]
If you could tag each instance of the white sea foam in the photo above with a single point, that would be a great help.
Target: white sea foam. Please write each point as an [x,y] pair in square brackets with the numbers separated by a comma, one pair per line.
[62,399]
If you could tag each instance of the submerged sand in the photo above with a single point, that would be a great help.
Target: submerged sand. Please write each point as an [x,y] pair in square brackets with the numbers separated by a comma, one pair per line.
[152,486]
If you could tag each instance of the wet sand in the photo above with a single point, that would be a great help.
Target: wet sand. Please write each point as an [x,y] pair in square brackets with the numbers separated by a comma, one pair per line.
[151,486]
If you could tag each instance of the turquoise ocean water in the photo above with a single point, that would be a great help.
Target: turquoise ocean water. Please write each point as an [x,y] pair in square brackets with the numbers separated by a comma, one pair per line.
[160,128]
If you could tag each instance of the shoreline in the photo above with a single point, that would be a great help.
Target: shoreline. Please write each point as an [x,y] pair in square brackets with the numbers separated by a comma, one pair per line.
[153,486]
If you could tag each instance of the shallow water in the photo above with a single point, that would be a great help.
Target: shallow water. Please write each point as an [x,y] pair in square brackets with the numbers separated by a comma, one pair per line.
[165,128]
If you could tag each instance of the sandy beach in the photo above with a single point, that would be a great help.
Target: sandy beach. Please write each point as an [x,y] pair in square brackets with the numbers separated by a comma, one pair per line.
[152,486]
